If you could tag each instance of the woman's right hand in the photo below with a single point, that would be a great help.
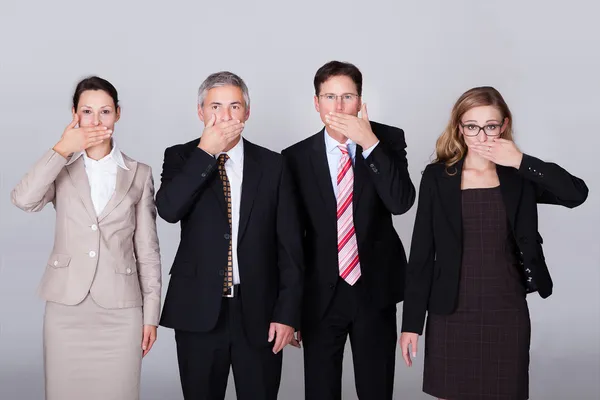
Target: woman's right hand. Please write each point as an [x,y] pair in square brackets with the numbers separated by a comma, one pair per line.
[412,339]
[78,139]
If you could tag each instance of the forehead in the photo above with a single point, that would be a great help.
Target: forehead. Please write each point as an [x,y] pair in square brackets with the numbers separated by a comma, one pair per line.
[224,94]
[95,98]
[338,85]
[482,114]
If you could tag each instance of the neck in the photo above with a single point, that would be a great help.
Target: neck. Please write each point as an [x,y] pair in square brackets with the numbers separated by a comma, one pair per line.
[232,144]
[337,136]
[99,151]
[476,162]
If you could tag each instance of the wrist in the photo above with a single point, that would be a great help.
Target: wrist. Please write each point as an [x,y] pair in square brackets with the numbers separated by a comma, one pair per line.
[60,149]
[518,161]
[368,142]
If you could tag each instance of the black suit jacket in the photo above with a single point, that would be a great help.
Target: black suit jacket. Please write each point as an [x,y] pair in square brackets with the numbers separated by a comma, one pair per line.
[269,241]
[382,187]
[433,271]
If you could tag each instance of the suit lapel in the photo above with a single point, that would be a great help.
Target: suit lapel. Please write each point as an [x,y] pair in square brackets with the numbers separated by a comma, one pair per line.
[511,186]
[360,177]
[124,181]
[216,187]
[81,183]
[250,184]
[322,175]
[451,197]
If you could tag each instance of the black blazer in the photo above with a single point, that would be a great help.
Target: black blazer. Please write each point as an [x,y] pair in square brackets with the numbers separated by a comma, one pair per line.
[269,242]
[382,187]
[433,272]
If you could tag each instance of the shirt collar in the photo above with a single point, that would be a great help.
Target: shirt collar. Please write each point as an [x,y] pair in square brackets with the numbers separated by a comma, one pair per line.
[331,144]
[115,155]
[236,154]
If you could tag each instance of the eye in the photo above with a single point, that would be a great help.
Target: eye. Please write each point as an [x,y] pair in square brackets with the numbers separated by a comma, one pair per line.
[348,97]
[105,112]
[472,127]
[491,127]
[330,97]
[86,111]
[235,107]
[214,107]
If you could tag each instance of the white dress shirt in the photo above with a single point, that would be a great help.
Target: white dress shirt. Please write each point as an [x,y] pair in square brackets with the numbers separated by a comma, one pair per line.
[234,167]
[334,154]
[102,175]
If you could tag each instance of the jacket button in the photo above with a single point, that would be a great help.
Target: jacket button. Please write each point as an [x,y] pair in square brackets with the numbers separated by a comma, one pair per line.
[227,236]
[203,175]
[55,263]
[331,286]
[128,270]
[221,272]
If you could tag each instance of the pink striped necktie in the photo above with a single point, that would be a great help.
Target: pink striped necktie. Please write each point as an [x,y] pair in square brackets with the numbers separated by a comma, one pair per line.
[348,262]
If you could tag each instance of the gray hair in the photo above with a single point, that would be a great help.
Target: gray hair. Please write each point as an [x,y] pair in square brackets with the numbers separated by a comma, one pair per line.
[223,78]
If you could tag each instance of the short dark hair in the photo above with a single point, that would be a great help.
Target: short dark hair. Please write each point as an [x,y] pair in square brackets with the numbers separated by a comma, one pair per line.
[95,83]
[338,68]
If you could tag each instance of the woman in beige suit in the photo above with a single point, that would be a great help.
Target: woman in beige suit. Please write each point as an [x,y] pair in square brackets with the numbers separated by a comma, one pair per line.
[102,284]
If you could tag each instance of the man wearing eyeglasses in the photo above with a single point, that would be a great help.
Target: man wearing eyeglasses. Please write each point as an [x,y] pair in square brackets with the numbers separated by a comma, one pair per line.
[351,177]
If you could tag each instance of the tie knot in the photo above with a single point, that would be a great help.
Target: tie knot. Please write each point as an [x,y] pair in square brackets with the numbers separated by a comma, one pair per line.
[344,148]
[222,159]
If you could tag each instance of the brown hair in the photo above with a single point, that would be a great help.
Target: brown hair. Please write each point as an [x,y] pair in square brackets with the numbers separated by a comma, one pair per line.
[450,146]
[95,83]
[338,68]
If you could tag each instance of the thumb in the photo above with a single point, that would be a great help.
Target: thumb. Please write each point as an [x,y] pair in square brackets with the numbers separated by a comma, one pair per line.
[212,120]
[145,340]
[271,332]
[74,122]
[414,347]
[363,112]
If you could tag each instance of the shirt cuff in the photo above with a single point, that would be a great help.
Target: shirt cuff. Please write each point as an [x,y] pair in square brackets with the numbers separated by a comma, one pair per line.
[368,151]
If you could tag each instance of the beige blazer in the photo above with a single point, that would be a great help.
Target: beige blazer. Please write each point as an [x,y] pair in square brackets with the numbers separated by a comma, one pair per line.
[115,256]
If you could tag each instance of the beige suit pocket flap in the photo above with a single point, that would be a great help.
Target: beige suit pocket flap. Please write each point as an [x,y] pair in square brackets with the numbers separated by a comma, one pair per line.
[59,260]
[126,269]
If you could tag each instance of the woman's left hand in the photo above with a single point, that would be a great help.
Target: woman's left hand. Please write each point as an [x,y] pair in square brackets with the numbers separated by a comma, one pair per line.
[148,339]
[499,151]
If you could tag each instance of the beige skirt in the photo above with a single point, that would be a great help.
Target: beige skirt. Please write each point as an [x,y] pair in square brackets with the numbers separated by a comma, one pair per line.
[91,353]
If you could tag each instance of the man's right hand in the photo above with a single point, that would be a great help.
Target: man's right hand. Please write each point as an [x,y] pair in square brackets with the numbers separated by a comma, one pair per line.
[217,137]
[78,139]
[406,339]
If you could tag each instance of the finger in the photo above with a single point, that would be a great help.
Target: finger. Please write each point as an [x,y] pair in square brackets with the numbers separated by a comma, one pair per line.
[363,112]
[223,125]
[145,340]
[405,354]
[99,135]
[415,347]
[336,119]
[232,135]
[299,336]
[232,128]
[151,342]
[94,129]
[93,143]
[295,343]
[338,127]
[279,343]
[341,116]
[212,121]
[271,332]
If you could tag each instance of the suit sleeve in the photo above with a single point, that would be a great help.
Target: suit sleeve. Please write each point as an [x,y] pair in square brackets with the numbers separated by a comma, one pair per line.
[290,256]
[36,188]
[182,180]
[147,253]
[553,183]
[419,271]
[388,169]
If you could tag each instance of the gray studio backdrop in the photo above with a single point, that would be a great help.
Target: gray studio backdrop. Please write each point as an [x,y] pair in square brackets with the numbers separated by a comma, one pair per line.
[416,57]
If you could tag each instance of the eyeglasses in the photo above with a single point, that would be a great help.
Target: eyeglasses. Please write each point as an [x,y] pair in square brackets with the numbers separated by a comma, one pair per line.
[473,130]
[346,97]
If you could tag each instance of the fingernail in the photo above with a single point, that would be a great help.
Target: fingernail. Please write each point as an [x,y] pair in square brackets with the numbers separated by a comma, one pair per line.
[414,355]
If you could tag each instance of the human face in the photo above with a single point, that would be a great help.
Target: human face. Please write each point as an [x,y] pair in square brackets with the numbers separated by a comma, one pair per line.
[97,108]
[337,94]
[487,117]
[226,102]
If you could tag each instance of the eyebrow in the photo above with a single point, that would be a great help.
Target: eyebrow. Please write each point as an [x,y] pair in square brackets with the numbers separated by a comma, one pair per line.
[489,120]
[216,103]
[88,106]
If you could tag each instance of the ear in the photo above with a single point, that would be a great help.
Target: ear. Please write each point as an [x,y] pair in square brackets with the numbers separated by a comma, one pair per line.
[200,113]
[316,100]
[118,114]
[73,112]
[504,125]
[247,113]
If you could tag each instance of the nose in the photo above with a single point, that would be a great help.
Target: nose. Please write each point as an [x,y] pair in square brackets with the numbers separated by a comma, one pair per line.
[96,119]
[482,137]
[339,105]
[226,115]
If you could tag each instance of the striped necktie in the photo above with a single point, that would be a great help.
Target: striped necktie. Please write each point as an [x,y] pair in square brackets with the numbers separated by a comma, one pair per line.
[228,282]
[348,262]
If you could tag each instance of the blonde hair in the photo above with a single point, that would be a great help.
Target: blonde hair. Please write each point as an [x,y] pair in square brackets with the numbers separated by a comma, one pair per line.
[450,146]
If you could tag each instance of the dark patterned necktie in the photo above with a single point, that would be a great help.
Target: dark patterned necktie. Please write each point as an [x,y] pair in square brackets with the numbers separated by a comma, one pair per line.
[228,282]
